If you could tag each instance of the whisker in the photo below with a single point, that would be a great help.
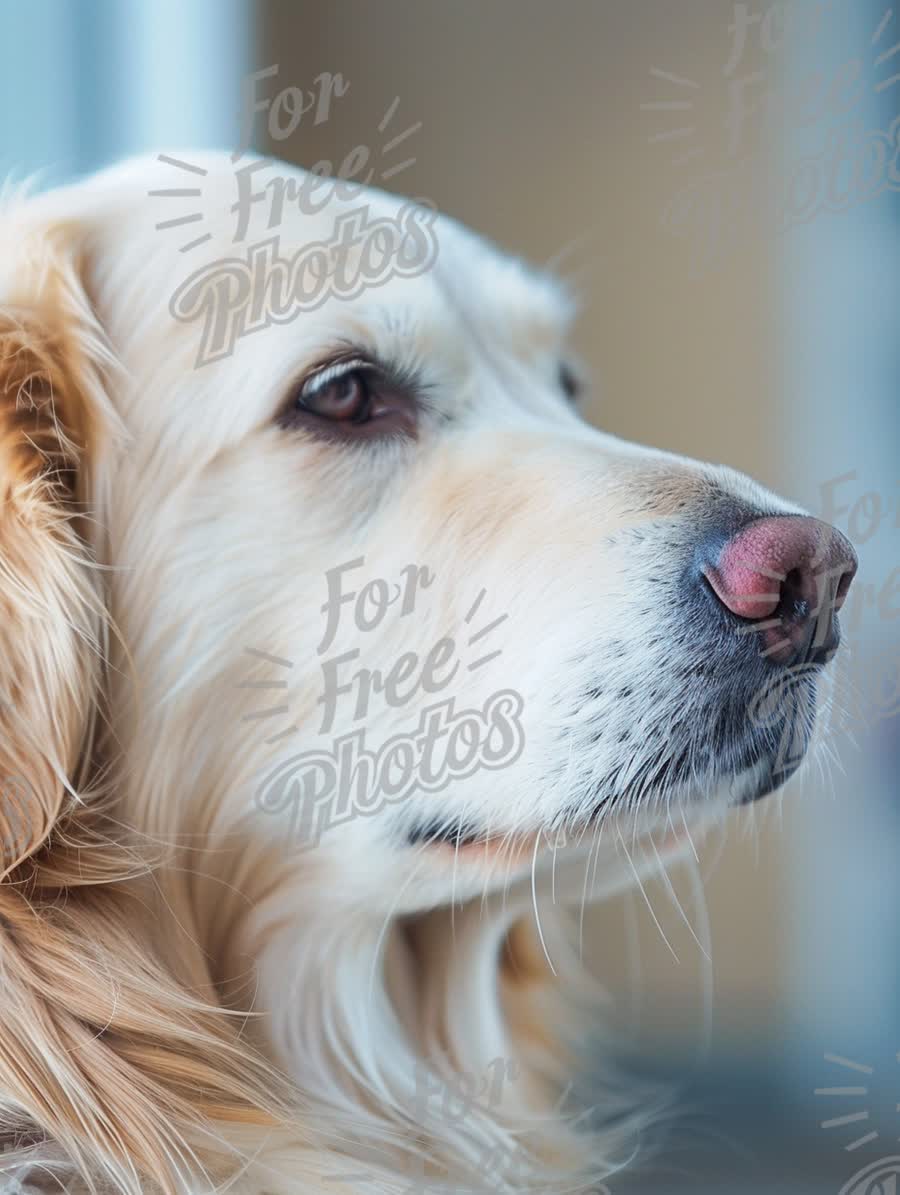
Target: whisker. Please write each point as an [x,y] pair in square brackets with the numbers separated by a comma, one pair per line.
[671,890]
[534,901]
[647,901]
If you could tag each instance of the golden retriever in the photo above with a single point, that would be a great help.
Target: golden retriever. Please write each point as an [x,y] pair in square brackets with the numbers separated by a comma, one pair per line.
[342,661]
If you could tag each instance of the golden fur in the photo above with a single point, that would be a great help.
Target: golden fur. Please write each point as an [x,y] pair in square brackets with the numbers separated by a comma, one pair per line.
[186,1005]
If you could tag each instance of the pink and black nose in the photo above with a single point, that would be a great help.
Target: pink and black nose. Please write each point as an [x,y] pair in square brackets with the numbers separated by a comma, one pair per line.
[785,577]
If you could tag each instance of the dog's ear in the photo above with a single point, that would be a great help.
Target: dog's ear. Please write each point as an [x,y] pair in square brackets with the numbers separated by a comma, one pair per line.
[112,1066]
[53,414]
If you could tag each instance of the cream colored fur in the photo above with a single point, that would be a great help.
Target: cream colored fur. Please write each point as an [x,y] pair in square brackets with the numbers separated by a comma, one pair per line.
[188,999]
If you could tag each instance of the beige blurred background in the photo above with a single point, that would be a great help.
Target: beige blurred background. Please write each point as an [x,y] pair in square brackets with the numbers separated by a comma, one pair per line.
[709,331]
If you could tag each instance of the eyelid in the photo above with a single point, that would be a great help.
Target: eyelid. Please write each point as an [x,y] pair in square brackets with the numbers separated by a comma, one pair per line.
[331,373]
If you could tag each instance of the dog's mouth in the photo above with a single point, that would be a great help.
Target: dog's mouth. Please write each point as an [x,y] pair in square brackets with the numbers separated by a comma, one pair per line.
[463,843]
[752,772]
[738,747]
[465,838]
[772,774]
[442,833]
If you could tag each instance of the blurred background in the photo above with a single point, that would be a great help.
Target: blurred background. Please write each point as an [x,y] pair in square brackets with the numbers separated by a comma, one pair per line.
[719,183]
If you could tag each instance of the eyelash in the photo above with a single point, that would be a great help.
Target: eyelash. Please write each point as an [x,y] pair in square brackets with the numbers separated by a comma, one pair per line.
[391,412]
[333,373]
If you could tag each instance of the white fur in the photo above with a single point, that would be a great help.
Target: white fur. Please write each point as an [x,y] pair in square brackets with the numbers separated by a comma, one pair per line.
[373,965]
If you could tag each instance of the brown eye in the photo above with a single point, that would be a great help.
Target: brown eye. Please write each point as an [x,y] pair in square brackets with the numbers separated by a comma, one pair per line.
[345,398]
[354,399]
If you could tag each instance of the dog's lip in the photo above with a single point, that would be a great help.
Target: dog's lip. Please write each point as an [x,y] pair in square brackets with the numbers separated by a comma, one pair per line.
[516,847]
[521,850]
[462,841]
[512,847]
[771,781]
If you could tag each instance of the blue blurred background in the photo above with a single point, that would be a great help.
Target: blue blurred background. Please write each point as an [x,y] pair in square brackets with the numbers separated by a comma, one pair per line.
[719,182]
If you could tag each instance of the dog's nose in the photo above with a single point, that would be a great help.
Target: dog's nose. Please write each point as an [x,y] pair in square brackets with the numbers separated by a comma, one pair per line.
[786,577]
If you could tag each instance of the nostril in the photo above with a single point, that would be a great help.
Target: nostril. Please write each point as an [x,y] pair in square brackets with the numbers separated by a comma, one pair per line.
[794,601]
[742,596]
[745,586]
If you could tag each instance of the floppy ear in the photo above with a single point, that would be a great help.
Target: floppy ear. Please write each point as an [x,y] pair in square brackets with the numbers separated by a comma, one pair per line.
[110,1065]
[52,414]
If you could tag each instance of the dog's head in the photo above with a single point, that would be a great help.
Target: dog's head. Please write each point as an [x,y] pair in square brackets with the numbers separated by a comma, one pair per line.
[308,559]
[383,589]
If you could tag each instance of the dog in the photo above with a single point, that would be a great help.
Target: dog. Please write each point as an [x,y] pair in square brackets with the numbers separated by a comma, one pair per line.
[342,663]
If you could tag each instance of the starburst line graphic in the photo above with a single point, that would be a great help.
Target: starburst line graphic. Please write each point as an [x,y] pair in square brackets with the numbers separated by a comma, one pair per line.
[679,105]
[755,627]
[670,78]
[195,217]
[182,193]
[481,634]
[885,21]
[887,55]
[850,1065]
[264,655]
[280,710]
[389,115]
[837,1092]
[393,171]
[276,711]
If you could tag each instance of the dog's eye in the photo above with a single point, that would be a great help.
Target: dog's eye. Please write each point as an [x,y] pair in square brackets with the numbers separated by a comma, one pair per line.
[353,399]
[345,398]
